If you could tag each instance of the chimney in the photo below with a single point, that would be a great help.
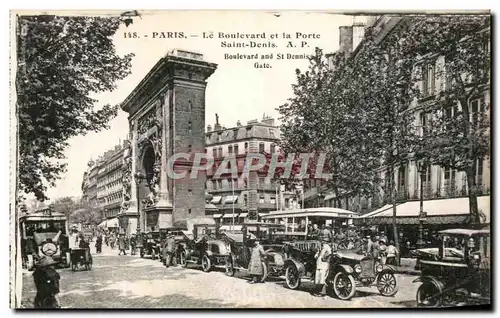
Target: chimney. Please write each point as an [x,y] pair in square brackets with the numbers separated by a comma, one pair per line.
[358,32]
[268,121]
[217,125]
[345,39]
[238,123]
[209,128]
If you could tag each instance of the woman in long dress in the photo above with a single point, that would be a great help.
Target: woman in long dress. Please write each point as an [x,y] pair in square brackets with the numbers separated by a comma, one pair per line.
[255,266]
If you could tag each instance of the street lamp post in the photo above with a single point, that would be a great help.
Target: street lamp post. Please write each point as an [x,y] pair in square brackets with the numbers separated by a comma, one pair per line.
[422,169]
[139,177]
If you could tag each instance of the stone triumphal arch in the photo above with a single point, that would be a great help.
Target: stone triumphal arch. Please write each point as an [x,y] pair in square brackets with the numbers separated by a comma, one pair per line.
[166,116]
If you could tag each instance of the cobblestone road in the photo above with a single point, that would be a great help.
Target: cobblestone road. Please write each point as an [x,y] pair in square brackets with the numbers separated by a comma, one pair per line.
[131,282]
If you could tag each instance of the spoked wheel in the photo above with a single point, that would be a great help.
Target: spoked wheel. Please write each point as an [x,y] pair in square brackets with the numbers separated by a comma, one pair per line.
[429,295]
[265,272]
[387,284]
[292,277]
[205,263]
[344,286]
[141,252]
[182,258]
[230,271]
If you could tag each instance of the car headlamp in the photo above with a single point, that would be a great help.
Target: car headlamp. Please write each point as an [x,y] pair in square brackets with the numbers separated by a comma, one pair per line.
[379,268]
[357,268]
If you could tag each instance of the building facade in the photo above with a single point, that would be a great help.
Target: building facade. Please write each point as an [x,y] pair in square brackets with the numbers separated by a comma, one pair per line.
[102,182]
[233,195]
[438,182]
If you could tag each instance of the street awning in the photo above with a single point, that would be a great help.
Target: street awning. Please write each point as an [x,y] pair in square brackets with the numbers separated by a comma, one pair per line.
[216,200]
[112,222]
[102,224]
[230,215]
[230,199]
[243,215]
[329,196]
[440,211]
[217,216]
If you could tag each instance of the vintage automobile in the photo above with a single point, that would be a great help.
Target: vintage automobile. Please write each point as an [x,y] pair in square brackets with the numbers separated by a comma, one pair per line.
[201,244]
[44,233]
[451,275]
[81,257]
[348,270]
[150,244]
[239,258]
[178,237]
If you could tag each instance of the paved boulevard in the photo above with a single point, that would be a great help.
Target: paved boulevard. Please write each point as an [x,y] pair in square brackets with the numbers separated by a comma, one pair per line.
[131,282]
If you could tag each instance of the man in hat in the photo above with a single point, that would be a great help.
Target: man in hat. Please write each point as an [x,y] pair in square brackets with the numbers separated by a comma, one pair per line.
[47,284]
[133,243]
[168,250]
[322,266]
[255,266]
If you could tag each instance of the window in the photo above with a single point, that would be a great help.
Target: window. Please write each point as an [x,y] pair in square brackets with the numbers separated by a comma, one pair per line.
[262,182]
[261,147]
[402,178]
[235,149]
[214,185]
[190,106]
[189,211]
[271,132]
[220,152]
[246,147]
[423,122]
[261,199]
[190,126]
[189,148]
[219,184]
[230,149]
[476,108]
[479,168]
[273,148]
[273,200]
[428,79]
[214,152]
[426,177]
[449,174]
[245,200]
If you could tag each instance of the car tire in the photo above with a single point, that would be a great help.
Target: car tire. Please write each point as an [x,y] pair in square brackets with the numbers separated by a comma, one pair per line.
[344,286]
[423,298]
[206,264]
[387,284]
[292,277]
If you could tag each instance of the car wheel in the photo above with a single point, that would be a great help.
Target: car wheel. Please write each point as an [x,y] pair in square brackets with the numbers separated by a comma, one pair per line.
[292,277]
[387,284]
[429,295]
[344,286]
[205,263]
[230,271]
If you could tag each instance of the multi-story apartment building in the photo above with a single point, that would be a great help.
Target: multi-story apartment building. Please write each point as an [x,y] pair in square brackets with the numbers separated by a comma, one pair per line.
[102,182]
[438,182]
[232,195]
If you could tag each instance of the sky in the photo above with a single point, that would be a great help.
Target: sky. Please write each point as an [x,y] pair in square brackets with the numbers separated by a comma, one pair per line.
[236,91]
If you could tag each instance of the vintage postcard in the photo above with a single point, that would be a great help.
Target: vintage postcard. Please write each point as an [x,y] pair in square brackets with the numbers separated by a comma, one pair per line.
[250,159]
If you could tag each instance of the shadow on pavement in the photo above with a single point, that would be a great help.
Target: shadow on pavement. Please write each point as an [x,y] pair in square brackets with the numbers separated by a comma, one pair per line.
[405,303]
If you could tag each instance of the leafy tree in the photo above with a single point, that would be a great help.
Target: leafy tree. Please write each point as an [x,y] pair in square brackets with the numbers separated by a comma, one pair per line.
[62,62]
[323,116]
[456,137]
[65,205]
[87,214]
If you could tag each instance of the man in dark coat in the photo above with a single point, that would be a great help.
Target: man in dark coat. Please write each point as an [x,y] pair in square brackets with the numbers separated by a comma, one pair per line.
[98,244]
[133,243]
[47,284]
